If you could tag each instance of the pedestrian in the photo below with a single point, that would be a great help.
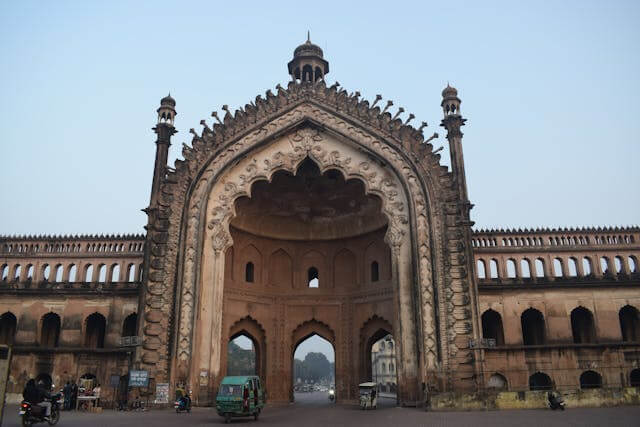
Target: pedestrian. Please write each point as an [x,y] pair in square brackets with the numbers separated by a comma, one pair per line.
[67,396]
[74,395]
[96,393]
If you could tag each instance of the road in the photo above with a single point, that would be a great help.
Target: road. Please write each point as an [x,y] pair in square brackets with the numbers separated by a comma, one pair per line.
[314,409]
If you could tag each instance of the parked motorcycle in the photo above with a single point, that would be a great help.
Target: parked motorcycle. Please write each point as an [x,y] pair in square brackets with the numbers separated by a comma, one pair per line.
[556,401]
[332,394]
[33,414]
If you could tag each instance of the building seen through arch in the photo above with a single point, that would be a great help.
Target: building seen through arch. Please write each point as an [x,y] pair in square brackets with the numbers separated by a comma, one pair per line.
[311,211]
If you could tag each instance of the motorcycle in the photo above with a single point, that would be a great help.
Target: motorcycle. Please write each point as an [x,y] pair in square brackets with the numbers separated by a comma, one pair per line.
[556,401]
[33,414]
[332,395]
[182,404]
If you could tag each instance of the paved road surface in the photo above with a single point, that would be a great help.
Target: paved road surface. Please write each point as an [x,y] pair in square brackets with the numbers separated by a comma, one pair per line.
[314,409]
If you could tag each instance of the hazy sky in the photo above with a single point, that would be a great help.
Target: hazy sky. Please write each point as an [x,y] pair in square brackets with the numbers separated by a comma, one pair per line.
[550,91]
[313,343]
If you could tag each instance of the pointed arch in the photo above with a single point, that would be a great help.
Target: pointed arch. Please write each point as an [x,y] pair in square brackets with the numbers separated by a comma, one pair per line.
[373,329]
[8,327]
[252,329]
[250,255]
[95,329]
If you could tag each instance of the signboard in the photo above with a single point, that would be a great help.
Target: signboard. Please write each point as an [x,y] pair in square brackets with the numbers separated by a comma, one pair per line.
[114,381]
[138,378]
[5,363]
[162,393]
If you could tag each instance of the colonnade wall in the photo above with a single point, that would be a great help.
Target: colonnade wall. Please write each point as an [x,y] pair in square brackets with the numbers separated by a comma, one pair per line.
[561,304]
[65,304]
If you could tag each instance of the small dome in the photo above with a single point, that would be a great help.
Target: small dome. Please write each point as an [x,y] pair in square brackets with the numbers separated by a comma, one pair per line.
[449,91]
[168,100]
[307,49]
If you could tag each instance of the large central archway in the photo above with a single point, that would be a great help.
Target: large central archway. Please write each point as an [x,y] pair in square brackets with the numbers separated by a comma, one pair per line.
[306,228]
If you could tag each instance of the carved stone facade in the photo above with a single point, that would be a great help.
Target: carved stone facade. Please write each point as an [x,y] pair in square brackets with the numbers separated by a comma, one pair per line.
[313,183]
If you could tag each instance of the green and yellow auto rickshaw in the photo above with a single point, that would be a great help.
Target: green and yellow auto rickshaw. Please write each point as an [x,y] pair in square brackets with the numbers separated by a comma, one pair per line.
[240,396]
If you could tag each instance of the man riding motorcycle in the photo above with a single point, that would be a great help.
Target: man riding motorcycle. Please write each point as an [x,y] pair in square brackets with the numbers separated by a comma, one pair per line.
[36,395]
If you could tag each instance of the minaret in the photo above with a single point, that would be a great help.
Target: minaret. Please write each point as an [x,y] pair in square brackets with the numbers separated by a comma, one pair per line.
[307,64]
[452,122]
[164,129]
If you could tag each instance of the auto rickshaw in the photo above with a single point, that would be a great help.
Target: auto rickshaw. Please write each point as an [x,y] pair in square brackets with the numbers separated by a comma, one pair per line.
[368,395]
[240,396]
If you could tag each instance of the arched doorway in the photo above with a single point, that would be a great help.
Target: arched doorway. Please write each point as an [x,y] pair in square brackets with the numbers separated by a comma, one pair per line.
[246,349]
[313,361]
[313,370]
[378,356]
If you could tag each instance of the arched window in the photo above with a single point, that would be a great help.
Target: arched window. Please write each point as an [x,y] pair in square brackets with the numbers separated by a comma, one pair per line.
[525,268]
[384,368]
[5,272]
[590,379]
[532,322]
[557,267]
[30,272]
[95,328]
[375,271]
[88,273]
[629,323]
[634,378]
[511,269]
[618,263]
[72,273]
[313,277]
[248,272]
[8,323]
[539,381]
[573,267]
[102,273]
[391,368]
[582,326]
[586,266]
[131,273]
[129,325]
[46,270]
[18,272]
[115,273]
[50,331]
[633,264]
[497,382]
[59,273]
[493,268]
[482,273]
[604,265]
[492,326]
[539,267]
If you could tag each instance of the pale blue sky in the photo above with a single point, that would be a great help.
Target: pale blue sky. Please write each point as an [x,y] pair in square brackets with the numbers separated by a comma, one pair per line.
[550,91]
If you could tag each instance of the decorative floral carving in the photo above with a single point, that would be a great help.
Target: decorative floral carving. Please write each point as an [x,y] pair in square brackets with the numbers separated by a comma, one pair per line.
[400,147]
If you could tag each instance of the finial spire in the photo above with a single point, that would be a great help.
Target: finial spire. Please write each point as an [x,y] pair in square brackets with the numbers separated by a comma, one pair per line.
[308,36]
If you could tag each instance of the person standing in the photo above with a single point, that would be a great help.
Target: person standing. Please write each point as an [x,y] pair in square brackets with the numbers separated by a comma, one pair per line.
[74,395]
[67,396]
[96,393]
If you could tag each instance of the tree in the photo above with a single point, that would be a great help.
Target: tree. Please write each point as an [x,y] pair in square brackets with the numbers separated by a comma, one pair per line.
[240,361]
[317,365]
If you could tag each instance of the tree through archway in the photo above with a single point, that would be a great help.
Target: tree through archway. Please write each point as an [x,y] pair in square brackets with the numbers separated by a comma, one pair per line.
[241,356]
[313,369]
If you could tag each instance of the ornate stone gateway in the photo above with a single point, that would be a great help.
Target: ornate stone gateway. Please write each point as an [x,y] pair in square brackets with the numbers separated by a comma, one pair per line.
[311,185]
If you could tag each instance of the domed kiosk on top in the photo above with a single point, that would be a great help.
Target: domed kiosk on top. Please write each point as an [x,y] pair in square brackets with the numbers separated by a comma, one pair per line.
[308,63]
